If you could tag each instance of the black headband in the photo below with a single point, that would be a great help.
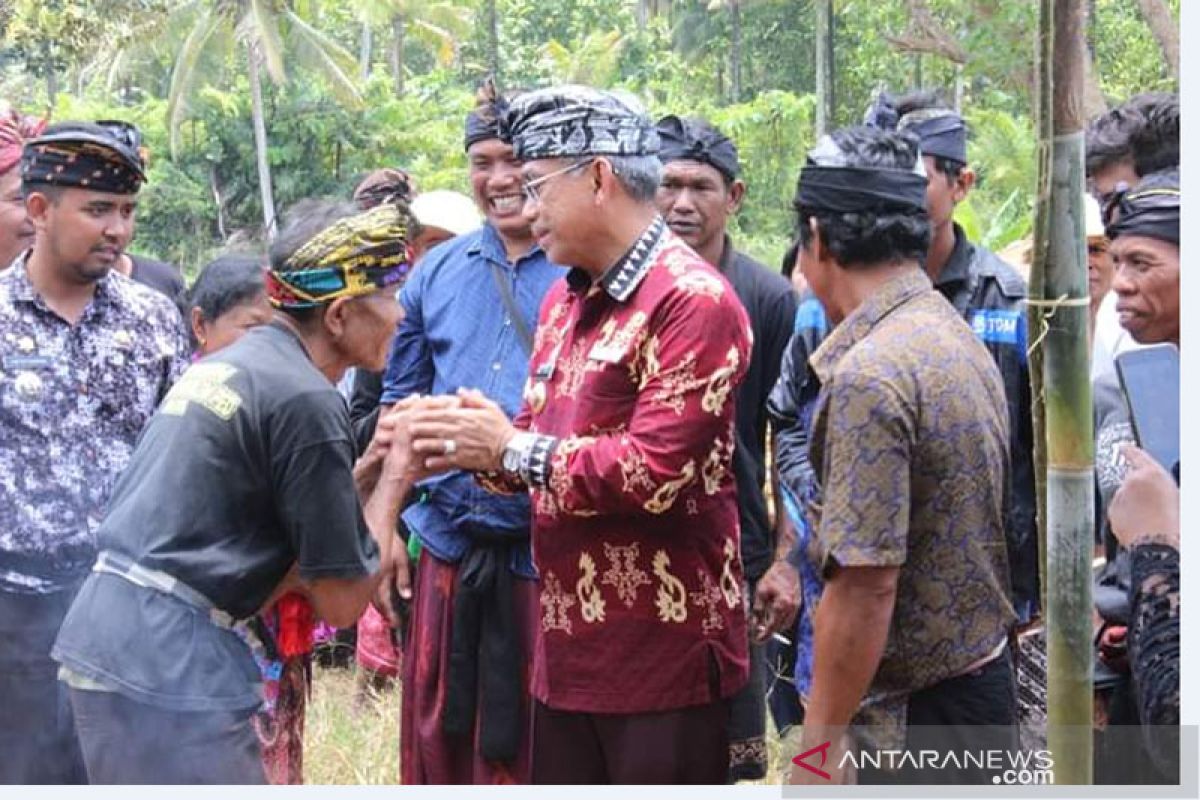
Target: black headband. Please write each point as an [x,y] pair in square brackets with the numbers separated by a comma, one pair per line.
[1146,212]
[943,136]
[687,140]
[489,121]
[845,190]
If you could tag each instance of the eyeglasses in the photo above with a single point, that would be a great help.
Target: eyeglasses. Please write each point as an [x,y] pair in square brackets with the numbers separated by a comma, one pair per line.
[529,189]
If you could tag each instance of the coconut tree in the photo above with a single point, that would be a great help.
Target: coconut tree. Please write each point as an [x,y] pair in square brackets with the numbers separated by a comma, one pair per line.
[1058,313]
[267,34]
[437,23]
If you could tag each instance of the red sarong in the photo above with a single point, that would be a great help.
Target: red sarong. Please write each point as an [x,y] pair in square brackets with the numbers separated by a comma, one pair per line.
[427,756]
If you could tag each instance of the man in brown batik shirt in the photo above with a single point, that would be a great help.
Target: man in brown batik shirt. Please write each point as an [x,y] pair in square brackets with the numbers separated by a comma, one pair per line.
[909,445]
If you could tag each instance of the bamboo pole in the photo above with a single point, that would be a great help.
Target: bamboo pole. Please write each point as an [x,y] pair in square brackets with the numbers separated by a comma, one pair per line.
[1059,356]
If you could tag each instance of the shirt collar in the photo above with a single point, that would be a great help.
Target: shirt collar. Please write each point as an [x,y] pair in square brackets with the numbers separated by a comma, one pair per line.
[490,246]
[854,328]
[958,267]
[727,256]
[23,290]
[622,278]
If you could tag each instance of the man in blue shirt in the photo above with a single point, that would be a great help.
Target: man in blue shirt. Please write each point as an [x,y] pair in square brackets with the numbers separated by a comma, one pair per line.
[470,310]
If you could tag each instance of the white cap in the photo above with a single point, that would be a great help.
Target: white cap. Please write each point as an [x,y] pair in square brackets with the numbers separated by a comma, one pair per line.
[1093,224]
[453,212]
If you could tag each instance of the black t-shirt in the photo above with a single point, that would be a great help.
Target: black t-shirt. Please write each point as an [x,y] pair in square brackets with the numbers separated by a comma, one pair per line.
[245,469]
[158,275]
[770,304]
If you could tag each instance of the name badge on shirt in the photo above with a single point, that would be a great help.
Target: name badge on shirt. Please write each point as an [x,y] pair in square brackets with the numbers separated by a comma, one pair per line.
[608,353]
[29,362]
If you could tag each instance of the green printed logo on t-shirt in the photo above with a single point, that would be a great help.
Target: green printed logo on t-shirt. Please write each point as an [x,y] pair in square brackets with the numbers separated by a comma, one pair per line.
[204,384]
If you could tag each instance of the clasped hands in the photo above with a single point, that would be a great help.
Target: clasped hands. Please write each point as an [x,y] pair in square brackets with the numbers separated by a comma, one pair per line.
[422,436]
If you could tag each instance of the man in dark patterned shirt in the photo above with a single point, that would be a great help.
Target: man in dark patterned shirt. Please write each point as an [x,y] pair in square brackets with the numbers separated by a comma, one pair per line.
[700,191]
[625,437]
[85,356]
[909,447]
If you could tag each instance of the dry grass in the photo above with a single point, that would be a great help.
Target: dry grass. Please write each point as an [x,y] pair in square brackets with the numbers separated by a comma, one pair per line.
[348,745]
[345,744]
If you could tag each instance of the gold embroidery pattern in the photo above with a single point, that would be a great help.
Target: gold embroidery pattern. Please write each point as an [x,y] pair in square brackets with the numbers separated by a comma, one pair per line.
[671,598]
[677,260]
[666,495]
[613,344]
[572,368]
[731,589]
[634,474]
[545,503]
[650,367]
[555,604]
[699,282]
[676,381]
[719,385]
[551,332]
[715,466]
[560,479]
[623,574]
[591,604]
[708,599]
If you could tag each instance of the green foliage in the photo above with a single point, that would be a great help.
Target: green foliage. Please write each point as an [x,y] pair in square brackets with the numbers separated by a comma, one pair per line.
[119,58]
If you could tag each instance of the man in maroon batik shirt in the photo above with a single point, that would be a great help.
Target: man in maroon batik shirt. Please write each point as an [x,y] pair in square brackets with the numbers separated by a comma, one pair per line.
[625,439]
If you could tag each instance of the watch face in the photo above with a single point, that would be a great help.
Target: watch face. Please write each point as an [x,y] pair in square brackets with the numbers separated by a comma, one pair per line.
[510,460]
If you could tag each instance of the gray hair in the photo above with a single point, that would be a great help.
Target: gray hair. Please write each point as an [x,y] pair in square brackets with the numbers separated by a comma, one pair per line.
[639,176]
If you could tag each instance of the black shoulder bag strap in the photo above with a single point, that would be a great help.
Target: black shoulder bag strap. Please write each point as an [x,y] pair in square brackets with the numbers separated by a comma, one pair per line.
[510,305]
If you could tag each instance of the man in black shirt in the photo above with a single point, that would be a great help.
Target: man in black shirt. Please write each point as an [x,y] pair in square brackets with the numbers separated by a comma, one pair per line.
[254,447]
[699,192]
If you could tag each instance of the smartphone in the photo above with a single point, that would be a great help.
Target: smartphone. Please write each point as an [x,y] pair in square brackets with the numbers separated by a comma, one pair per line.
[1150,380]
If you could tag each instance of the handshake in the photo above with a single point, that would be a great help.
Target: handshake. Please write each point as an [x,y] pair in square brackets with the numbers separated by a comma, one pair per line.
[422,436]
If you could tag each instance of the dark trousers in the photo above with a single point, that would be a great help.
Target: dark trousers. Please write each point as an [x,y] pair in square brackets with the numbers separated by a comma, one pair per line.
[127,742]
[682,746]
[37,734]
[972,712]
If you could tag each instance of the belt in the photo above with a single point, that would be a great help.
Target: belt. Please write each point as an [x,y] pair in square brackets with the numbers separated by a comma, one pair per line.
[123,567]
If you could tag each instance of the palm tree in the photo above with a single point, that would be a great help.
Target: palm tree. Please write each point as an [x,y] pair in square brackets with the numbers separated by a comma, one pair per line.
[257,28]
[438,23]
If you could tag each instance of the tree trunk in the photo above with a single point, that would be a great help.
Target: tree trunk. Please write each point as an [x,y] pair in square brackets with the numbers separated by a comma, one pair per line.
[918,73]
[364,51]
[735,50]
[1059,325]
[397,55]
[824,49]
[958,88]
[1162,24]
[493,22]
[643,14]
[260,145]
[51,73]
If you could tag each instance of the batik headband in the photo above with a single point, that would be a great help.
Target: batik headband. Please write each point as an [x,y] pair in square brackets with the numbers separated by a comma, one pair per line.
[355,256]
[15,128]
[566,121]
[104,157]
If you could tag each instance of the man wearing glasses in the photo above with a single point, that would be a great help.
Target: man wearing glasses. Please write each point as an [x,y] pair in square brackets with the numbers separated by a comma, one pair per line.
[85,356]
[470,309]
[625,439]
